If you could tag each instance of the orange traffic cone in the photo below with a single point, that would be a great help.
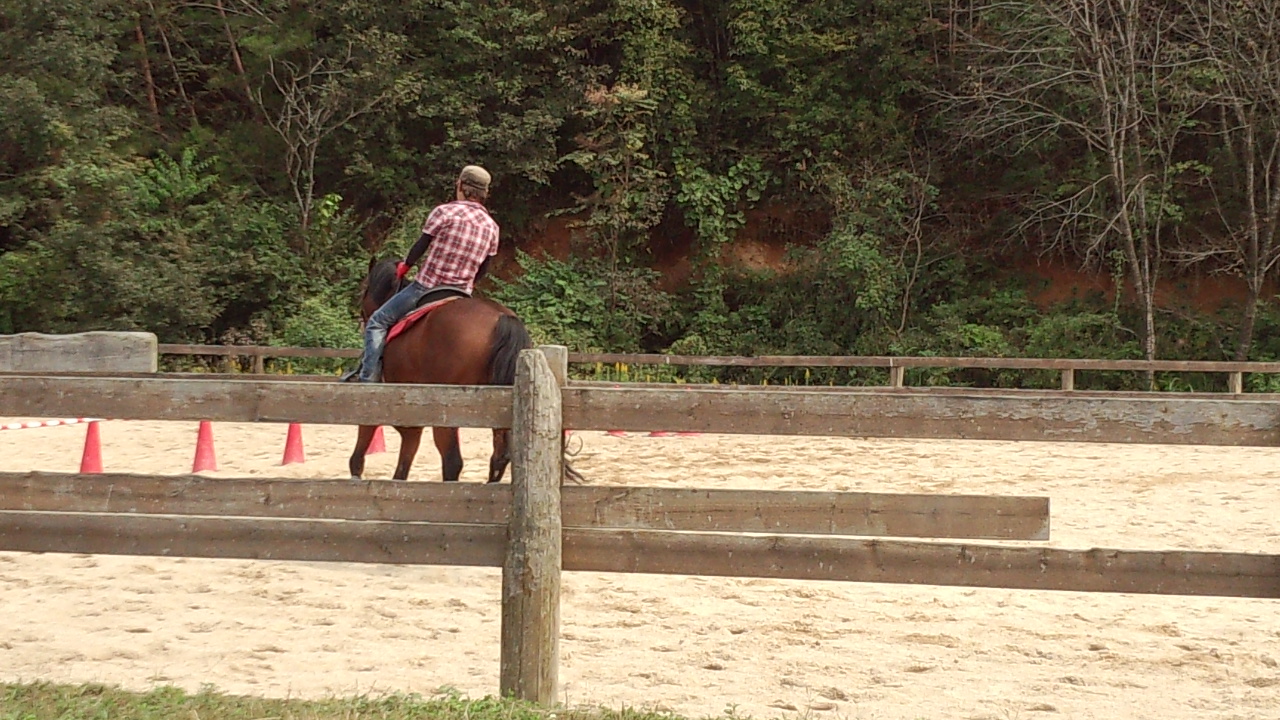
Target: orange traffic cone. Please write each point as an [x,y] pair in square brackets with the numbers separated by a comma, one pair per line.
[378,444]
[293,446]
[205,459]
[91,458]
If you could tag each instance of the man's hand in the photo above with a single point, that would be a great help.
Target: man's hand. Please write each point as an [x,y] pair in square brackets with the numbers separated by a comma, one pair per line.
[402,269]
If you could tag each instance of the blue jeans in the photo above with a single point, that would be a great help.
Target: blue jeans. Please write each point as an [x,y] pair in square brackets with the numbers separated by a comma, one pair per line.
[382,319]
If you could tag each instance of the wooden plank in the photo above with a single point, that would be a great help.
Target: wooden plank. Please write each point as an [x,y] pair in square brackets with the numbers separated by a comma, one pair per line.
[276,539]
[886,361]
[382,500]
[257,401]
[798,558]
[930,390]
[201,376]
[98,351]
[1087,364]
[846,361]
[731,361]
[558,361]
[851,361]
[530,652]
[637,508]
[263,351]
[1056,418]
[897,376]
[808,512]
[916,390]
[906,562]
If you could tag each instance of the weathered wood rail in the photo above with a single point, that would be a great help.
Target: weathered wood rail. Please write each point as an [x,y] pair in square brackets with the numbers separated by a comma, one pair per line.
[534,528]
[1066,367]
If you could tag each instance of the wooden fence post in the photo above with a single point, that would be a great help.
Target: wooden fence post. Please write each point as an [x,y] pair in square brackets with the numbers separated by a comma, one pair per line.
[531,571]
[558,359]
[897,376]
[1235,383]
[1068,379]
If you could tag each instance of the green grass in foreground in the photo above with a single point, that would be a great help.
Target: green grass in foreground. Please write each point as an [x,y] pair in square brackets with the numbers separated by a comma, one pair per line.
[46,701]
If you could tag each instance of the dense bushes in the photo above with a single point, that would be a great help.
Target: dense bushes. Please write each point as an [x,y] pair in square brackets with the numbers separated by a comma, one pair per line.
[220,173]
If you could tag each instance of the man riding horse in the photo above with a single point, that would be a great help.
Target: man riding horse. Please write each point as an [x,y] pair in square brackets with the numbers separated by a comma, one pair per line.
[455,340]
[459,239]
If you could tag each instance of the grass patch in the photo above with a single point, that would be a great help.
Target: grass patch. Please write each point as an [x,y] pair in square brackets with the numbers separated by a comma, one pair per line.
[47,701]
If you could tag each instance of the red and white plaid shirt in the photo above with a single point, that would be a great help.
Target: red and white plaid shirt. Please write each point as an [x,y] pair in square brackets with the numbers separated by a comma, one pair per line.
[462,235]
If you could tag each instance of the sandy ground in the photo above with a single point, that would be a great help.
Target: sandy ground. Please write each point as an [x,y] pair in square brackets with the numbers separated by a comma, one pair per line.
[693,645]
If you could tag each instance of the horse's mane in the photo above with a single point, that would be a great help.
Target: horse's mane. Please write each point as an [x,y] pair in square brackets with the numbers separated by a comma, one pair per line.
[381,283]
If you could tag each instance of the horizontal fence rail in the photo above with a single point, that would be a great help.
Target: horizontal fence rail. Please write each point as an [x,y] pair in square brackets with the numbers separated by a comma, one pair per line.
[927,563]
[629,507]
[258,401]
[653,552]
[891,361]
[852,412]
[810,361]
[903,390]
[973,416]
[605,529]
[896,365]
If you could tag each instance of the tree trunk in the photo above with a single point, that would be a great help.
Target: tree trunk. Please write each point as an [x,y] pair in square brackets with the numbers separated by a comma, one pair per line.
[1149,334]
[235,54]
[1245,341]
[146,73]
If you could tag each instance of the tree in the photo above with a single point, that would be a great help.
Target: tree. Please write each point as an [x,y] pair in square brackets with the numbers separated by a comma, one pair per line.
[1240,41]
[1100,81]
[316,99]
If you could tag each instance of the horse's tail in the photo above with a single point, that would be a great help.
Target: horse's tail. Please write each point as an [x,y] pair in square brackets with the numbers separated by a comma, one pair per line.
[510,336]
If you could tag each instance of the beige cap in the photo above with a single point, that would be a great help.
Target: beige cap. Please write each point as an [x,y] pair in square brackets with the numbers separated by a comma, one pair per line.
[476,177]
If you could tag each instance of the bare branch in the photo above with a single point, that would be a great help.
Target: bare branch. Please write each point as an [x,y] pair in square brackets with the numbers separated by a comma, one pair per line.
[315,102]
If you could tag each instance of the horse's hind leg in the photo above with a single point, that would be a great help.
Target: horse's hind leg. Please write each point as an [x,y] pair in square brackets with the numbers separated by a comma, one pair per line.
[363,438]
[410,437]
[450,452]
[501,454]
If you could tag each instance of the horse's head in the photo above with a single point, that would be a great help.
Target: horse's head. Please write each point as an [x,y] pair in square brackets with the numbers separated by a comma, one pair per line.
[379,285]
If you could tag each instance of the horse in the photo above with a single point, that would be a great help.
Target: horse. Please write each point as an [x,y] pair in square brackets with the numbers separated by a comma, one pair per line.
[466,341]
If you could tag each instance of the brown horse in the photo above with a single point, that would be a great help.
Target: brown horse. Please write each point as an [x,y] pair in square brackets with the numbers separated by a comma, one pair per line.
[469,341]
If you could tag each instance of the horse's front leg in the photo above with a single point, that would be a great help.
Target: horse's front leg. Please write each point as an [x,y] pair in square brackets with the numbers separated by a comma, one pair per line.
[410,437]
[363,438]
[450,452]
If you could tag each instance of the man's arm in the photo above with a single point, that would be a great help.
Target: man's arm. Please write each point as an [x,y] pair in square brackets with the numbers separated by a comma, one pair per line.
[416,252]
[484,268]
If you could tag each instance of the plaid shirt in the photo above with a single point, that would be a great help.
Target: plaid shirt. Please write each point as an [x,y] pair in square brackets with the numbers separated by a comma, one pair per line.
[462,236]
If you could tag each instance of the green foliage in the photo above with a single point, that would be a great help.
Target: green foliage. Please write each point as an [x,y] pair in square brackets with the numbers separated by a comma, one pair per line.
[630,190]
[571,303]
[224,177]
[321,322]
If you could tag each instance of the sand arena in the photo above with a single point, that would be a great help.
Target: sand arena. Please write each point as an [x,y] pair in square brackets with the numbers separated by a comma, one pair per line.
[697,646]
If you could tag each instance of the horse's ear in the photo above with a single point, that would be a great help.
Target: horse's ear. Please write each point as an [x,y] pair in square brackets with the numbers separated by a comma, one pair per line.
[373,260]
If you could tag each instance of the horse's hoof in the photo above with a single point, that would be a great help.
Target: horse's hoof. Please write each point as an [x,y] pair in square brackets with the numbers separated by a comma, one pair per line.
[356,478]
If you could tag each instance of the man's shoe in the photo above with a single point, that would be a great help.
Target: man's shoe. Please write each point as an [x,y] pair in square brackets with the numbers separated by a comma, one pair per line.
[351,376]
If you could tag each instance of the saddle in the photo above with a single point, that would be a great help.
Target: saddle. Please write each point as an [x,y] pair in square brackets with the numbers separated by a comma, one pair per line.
[429,302]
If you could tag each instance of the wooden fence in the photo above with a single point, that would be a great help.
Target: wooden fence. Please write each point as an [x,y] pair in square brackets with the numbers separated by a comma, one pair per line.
[896,366]
[534,528]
